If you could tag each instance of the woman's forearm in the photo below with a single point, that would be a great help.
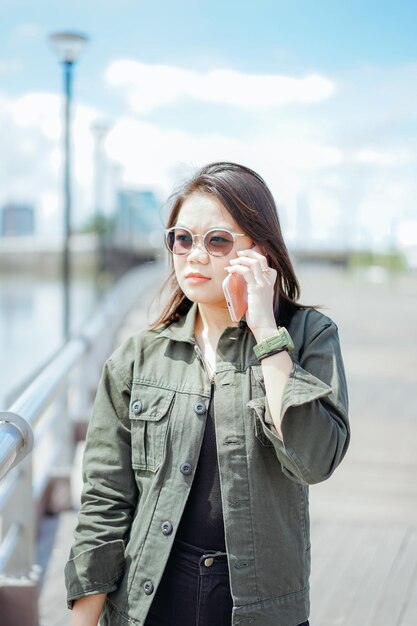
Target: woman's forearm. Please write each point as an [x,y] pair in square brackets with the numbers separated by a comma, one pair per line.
[276,370]
[86,611]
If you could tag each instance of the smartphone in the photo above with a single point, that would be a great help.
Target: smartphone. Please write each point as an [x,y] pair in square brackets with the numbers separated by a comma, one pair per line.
[236,294]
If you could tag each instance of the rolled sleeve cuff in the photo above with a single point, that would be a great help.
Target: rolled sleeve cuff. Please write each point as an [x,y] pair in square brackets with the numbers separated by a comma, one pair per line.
[301,387]
[290,464]
[96,570]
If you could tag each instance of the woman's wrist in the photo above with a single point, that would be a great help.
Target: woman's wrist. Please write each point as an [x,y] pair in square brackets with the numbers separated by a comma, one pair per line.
[280,358]
[86,610]
[264,332]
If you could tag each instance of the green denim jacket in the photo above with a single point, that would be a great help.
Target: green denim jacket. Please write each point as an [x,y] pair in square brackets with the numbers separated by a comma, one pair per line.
[143,446]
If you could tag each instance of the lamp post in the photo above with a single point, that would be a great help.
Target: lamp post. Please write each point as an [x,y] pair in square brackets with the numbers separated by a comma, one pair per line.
[68,47]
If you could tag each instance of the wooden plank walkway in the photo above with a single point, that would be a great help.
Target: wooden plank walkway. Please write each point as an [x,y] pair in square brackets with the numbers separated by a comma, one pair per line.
[364,519]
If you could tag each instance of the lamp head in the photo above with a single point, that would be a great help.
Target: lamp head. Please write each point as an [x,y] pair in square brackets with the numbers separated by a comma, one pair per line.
[68,46]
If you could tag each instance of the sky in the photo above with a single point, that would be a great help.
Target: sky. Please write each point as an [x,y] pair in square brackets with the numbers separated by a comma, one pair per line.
[319,97]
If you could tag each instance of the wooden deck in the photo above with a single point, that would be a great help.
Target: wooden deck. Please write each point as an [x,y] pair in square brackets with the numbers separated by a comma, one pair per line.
[364,519]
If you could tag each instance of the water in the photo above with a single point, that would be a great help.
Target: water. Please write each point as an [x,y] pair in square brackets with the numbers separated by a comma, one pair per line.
[31,324]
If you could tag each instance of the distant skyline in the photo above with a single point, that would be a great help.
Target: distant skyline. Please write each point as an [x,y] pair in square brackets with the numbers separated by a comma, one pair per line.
[319,97]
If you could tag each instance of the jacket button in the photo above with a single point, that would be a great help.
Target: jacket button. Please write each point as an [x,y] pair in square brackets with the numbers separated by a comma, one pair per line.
[200,408]
[148,587]
[137,407]
[186,468]
[167,528]
[209,562]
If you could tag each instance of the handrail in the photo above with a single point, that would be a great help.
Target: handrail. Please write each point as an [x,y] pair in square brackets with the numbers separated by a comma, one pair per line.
[16,440]
[37,397]
[46,409]
[33,401]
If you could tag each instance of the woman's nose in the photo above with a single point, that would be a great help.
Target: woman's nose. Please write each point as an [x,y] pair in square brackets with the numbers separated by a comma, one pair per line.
[198,252]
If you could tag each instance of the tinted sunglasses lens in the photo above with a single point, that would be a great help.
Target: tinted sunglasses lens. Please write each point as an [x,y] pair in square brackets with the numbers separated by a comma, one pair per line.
[218,242]
[179,241]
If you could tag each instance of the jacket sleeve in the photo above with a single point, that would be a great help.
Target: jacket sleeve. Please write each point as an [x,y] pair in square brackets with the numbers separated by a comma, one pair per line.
[109,495]
[315,425]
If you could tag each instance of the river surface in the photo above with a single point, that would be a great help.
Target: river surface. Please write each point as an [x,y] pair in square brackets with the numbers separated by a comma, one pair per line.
[31,324]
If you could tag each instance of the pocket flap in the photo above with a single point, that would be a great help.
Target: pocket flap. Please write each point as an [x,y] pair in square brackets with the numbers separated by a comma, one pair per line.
[150,403]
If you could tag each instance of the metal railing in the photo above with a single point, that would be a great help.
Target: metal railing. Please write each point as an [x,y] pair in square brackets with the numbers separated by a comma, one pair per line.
[16,441]
[43,417]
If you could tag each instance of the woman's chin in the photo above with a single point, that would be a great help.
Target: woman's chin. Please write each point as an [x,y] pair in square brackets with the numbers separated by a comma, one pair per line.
[204,298]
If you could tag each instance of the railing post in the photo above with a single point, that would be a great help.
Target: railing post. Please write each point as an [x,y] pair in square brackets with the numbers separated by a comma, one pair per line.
[19,600]
[19,589]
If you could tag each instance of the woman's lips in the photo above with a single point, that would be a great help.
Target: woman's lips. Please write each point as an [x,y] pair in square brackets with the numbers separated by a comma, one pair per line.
[196,278]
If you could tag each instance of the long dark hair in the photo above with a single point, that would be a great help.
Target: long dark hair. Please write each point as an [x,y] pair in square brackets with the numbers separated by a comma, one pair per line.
[247,198]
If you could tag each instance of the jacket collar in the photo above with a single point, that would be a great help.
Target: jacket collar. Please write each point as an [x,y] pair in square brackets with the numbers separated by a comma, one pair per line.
[183,329]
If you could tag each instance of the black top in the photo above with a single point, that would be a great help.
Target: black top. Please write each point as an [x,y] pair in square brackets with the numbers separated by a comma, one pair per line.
[202,521]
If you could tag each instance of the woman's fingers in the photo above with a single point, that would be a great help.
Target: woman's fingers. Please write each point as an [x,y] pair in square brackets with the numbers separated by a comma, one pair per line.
[253,254]
[251,266]
[261,279]
[257,264]
[246,272]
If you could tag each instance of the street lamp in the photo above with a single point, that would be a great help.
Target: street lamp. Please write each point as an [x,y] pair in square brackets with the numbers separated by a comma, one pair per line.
[68,47]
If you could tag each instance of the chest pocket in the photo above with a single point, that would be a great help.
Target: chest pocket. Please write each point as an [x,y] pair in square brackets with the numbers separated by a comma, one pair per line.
[149,414]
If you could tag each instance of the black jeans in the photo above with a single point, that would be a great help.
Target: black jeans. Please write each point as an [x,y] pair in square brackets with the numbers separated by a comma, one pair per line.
[194,590]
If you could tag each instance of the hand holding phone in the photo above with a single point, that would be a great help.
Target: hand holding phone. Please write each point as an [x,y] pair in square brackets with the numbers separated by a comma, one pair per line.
[236,294]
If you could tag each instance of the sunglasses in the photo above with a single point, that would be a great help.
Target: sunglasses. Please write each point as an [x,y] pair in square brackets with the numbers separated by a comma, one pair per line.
[217,242]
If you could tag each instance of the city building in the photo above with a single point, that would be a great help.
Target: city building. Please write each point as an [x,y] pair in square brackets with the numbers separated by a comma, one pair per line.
[137,218]
[17,219]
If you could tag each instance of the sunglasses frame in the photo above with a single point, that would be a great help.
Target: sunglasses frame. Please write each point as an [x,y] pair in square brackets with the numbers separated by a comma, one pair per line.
[203,238]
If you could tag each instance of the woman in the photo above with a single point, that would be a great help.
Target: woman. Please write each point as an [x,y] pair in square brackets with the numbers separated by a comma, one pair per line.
[206,433]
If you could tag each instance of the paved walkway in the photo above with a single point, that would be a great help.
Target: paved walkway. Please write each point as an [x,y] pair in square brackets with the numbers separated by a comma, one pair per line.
[364,519]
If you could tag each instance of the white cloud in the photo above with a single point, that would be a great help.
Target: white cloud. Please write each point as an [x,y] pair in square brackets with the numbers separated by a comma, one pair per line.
[43,112]
[31,129]
[406,233]
[372,156]
[39,110]
[353,163]
[8,66]
[27,30]
[150,155]
[148,87]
